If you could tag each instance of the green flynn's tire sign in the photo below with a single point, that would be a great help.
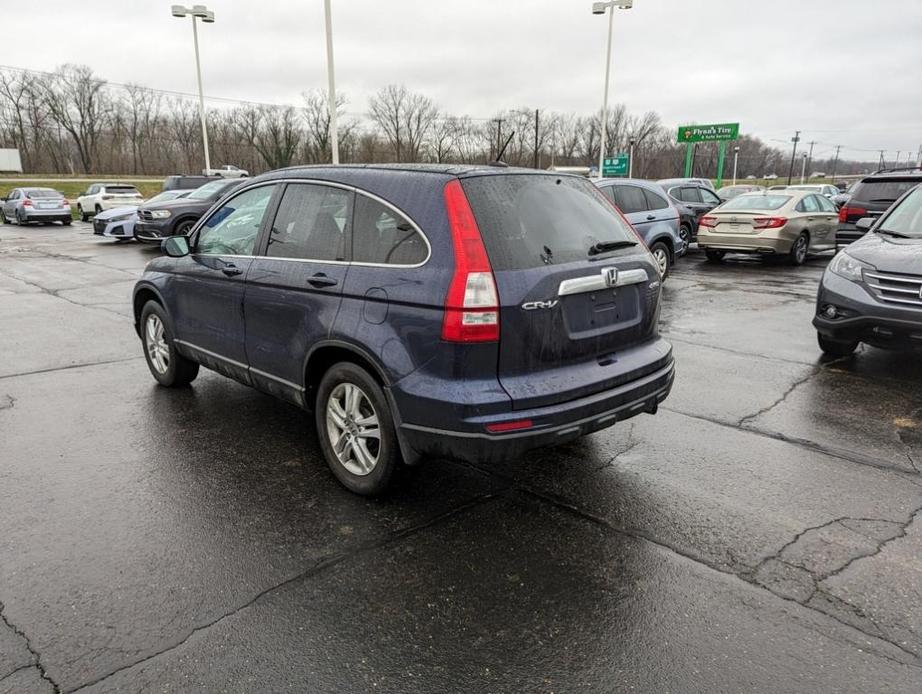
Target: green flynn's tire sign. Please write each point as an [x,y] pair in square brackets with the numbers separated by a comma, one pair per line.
[715,132]
[709,133]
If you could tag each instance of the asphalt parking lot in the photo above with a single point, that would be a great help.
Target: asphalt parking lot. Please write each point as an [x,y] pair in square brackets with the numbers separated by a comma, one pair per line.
[760,533]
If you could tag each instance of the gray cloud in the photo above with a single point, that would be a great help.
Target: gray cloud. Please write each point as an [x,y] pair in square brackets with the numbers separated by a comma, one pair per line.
[842,71]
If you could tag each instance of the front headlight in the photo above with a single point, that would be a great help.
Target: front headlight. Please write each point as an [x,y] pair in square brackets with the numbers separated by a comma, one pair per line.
[160,214]
[848,267]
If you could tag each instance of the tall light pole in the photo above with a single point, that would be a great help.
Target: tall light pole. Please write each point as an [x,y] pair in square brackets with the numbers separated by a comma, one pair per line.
[803,167]
[207,16]
[600,8]
[334,133]
[630,161]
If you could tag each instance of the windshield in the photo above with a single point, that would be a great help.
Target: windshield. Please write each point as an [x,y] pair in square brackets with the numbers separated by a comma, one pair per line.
[530,220]
[756,202]
[167,195]
[906,218]
[36,193]
[209,190]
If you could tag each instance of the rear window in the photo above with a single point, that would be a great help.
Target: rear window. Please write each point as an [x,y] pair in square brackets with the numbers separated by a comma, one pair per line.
[529,220]
[883,190]
[122,190]
[756,202]
[36,193]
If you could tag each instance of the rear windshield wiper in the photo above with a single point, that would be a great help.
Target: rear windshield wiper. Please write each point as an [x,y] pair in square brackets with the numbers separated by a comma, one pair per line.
[894,234]
[605,246]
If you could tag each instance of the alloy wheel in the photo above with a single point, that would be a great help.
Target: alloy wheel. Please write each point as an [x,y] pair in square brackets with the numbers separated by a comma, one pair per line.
[662,260]
[155,341]
[353,428]
[800,249]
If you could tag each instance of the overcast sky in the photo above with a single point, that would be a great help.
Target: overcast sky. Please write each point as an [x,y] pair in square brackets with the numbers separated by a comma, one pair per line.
[844,71]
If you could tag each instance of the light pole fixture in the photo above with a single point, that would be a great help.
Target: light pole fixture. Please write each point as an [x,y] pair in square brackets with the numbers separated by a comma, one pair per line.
[207,16]
[630,158]
[602,8]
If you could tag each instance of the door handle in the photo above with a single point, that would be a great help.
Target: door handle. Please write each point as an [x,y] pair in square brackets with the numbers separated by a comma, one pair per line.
[231,270]
[322,280]
[651,217]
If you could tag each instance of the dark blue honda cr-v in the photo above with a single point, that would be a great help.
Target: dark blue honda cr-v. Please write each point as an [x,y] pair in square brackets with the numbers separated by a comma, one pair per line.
[467,312]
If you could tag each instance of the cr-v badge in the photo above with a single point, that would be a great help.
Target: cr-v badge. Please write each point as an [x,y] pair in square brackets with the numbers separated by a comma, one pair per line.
[534,305]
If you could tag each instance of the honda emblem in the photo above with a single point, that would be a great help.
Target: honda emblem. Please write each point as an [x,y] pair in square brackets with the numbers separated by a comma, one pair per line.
[611,276]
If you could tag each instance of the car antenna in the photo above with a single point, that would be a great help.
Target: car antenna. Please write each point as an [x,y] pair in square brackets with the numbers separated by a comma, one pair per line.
[499,157]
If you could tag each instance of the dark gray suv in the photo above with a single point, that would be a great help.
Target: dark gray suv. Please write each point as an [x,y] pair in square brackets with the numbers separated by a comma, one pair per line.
[466,312]
[872,291]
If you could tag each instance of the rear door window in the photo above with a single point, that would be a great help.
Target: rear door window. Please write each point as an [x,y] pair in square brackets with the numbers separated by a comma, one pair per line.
[690,194]
[383,236]
[808,204]
[654,201]
[630,199]
[825,204]
[530,220]
[310,223]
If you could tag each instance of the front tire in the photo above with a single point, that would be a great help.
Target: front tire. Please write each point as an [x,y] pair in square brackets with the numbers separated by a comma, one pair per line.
[356,429]
[836,348]
[799,250]
[183,228]
[166,365]
[660,253]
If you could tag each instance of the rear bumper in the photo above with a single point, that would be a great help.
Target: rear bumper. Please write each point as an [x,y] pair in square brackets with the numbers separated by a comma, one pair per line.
[551,425]
[46,215]
[847,233]
[768,243]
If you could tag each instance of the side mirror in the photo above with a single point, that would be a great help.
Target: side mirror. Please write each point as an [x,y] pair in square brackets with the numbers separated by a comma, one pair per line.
[864,224]
[175,246]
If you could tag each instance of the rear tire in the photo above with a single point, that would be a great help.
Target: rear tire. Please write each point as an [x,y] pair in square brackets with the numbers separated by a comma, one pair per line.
[84,217]
[836,348]
[685,234]
[3,219]
[356,429]
[19,220]
[662,257]
[715,256]
[66,222]
[799,250]
[166,365]
[97,210]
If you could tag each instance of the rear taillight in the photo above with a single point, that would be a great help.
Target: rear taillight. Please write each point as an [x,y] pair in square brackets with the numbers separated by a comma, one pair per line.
[707,221]
[472,303]
[65,202]
[768,222]
[27,203]
[846,211]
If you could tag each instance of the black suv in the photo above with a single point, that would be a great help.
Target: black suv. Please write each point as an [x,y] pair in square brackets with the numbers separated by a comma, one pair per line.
[693,202]
[870,198]
[465,312]
[159,220]
[872,291]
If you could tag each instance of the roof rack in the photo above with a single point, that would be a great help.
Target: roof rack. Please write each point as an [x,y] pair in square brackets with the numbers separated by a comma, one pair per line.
[901,168]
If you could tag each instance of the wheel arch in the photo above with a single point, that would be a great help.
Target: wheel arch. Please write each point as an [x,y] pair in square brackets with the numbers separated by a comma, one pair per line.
[325,354]
[143,293]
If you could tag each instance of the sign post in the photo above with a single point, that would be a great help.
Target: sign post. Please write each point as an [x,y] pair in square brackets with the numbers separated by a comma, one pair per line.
[715,132]
[616,165]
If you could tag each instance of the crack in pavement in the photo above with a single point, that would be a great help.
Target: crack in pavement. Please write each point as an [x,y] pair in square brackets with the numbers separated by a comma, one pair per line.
[56,293]
[313,570]
[52,369]
[36,656]
[841,454]
[7,402]
[743,572]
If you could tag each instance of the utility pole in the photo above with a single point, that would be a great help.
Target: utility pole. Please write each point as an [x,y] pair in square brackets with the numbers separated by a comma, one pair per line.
[795,140]
[835,163]
[736,156]
[810,156]
[919,157]
[896,163]
[537,162]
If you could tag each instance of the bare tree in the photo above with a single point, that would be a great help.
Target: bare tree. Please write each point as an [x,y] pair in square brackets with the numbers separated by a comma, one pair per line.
[404,117]
[77,101]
